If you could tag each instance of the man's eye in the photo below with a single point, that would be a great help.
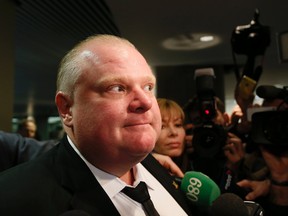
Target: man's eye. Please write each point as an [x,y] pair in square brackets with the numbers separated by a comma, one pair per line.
[117,88]
[148,87]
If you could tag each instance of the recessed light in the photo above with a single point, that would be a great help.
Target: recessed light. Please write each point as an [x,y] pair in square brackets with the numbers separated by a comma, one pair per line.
[206,38]
[191,41]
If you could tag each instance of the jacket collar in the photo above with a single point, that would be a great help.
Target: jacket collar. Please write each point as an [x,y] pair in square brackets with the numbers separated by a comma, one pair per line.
[75,177]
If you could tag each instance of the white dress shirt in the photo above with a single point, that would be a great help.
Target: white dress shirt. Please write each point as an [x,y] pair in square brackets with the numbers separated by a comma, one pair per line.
[112,185]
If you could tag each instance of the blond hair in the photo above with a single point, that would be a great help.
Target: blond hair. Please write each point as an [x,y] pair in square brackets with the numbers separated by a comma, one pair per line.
[170,108]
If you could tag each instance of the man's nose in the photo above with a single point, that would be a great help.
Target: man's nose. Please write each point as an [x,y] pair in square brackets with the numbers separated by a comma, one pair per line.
[141,102]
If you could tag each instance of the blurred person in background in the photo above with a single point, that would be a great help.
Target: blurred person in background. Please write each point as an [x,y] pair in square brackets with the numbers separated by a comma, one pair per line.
[16,149]
[228,143]
[28,128]
[172,139]
[272,189]
[218,151]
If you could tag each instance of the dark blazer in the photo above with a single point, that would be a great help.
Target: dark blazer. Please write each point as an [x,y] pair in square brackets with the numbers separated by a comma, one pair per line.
[59,181]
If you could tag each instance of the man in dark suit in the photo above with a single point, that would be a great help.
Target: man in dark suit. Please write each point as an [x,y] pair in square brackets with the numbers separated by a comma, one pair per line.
[109,112]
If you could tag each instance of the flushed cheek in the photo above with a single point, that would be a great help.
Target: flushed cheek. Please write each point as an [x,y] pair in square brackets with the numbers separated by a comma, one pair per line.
[157,123]
[94,116]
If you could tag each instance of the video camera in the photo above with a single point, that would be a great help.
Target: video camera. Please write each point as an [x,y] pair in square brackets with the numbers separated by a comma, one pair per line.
[208,138]
[270,128]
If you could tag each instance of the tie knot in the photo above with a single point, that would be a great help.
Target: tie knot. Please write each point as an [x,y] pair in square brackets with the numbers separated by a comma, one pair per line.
[139,193]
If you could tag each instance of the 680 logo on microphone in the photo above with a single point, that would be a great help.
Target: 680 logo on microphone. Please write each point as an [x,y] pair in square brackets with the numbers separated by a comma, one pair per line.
[199,188]
[193,189]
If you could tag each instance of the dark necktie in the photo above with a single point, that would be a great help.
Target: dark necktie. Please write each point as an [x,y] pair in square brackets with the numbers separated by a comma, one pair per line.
[140,194]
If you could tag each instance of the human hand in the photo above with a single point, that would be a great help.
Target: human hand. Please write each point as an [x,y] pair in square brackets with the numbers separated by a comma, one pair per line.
[168,163]
[277,164]
[256,188]
[234,150]
[236,115]
[240,116]
[242,102]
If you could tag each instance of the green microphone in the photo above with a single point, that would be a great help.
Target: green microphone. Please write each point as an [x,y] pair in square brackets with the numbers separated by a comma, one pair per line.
[199,188]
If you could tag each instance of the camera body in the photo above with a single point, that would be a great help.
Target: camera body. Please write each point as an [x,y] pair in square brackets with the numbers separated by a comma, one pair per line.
[270,128]
[251,39]
[208,138]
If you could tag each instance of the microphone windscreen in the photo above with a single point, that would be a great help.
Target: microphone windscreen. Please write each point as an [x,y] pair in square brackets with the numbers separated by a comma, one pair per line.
[229,204]
[268,92]
[199,188]
[254,209]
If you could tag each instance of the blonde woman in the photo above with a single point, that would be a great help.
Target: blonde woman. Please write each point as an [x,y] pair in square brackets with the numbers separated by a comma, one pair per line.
[171,141]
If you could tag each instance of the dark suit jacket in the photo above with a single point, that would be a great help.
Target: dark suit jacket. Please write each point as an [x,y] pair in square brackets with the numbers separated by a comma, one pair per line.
[59,181]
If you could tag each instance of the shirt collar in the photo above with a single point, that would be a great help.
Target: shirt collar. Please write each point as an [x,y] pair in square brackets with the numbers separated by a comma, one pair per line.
[112,184]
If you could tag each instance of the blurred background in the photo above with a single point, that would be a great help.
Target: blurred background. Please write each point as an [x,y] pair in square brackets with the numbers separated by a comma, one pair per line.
[176,38]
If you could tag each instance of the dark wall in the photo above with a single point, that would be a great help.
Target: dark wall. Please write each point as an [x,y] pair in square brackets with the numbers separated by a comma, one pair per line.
[177,82]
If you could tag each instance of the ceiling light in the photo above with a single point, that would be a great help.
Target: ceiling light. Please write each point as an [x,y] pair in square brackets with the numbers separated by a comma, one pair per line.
[206,38]
[192,41]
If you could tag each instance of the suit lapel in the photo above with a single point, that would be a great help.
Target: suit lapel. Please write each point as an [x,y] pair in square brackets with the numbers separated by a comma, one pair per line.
[156,169]
[87,193]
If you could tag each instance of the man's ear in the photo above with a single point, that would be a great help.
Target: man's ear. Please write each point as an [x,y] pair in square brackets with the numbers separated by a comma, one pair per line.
[64,105]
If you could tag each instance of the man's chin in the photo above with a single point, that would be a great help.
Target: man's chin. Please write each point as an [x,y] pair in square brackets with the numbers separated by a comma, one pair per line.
[143,150]
[145,128]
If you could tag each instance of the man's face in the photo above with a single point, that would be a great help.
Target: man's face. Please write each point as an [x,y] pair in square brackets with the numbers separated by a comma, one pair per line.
[115,113]
[31,129]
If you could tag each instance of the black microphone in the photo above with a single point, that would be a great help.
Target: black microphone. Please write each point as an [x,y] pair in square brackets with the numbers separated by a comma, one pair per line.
[254,209]
[228,184]
[75,213]
[229,204]
[271,92]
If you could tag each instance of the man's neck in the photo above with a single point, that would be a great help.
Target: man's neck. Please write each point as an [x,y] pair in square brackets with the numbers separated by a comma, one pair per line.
[128,177]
